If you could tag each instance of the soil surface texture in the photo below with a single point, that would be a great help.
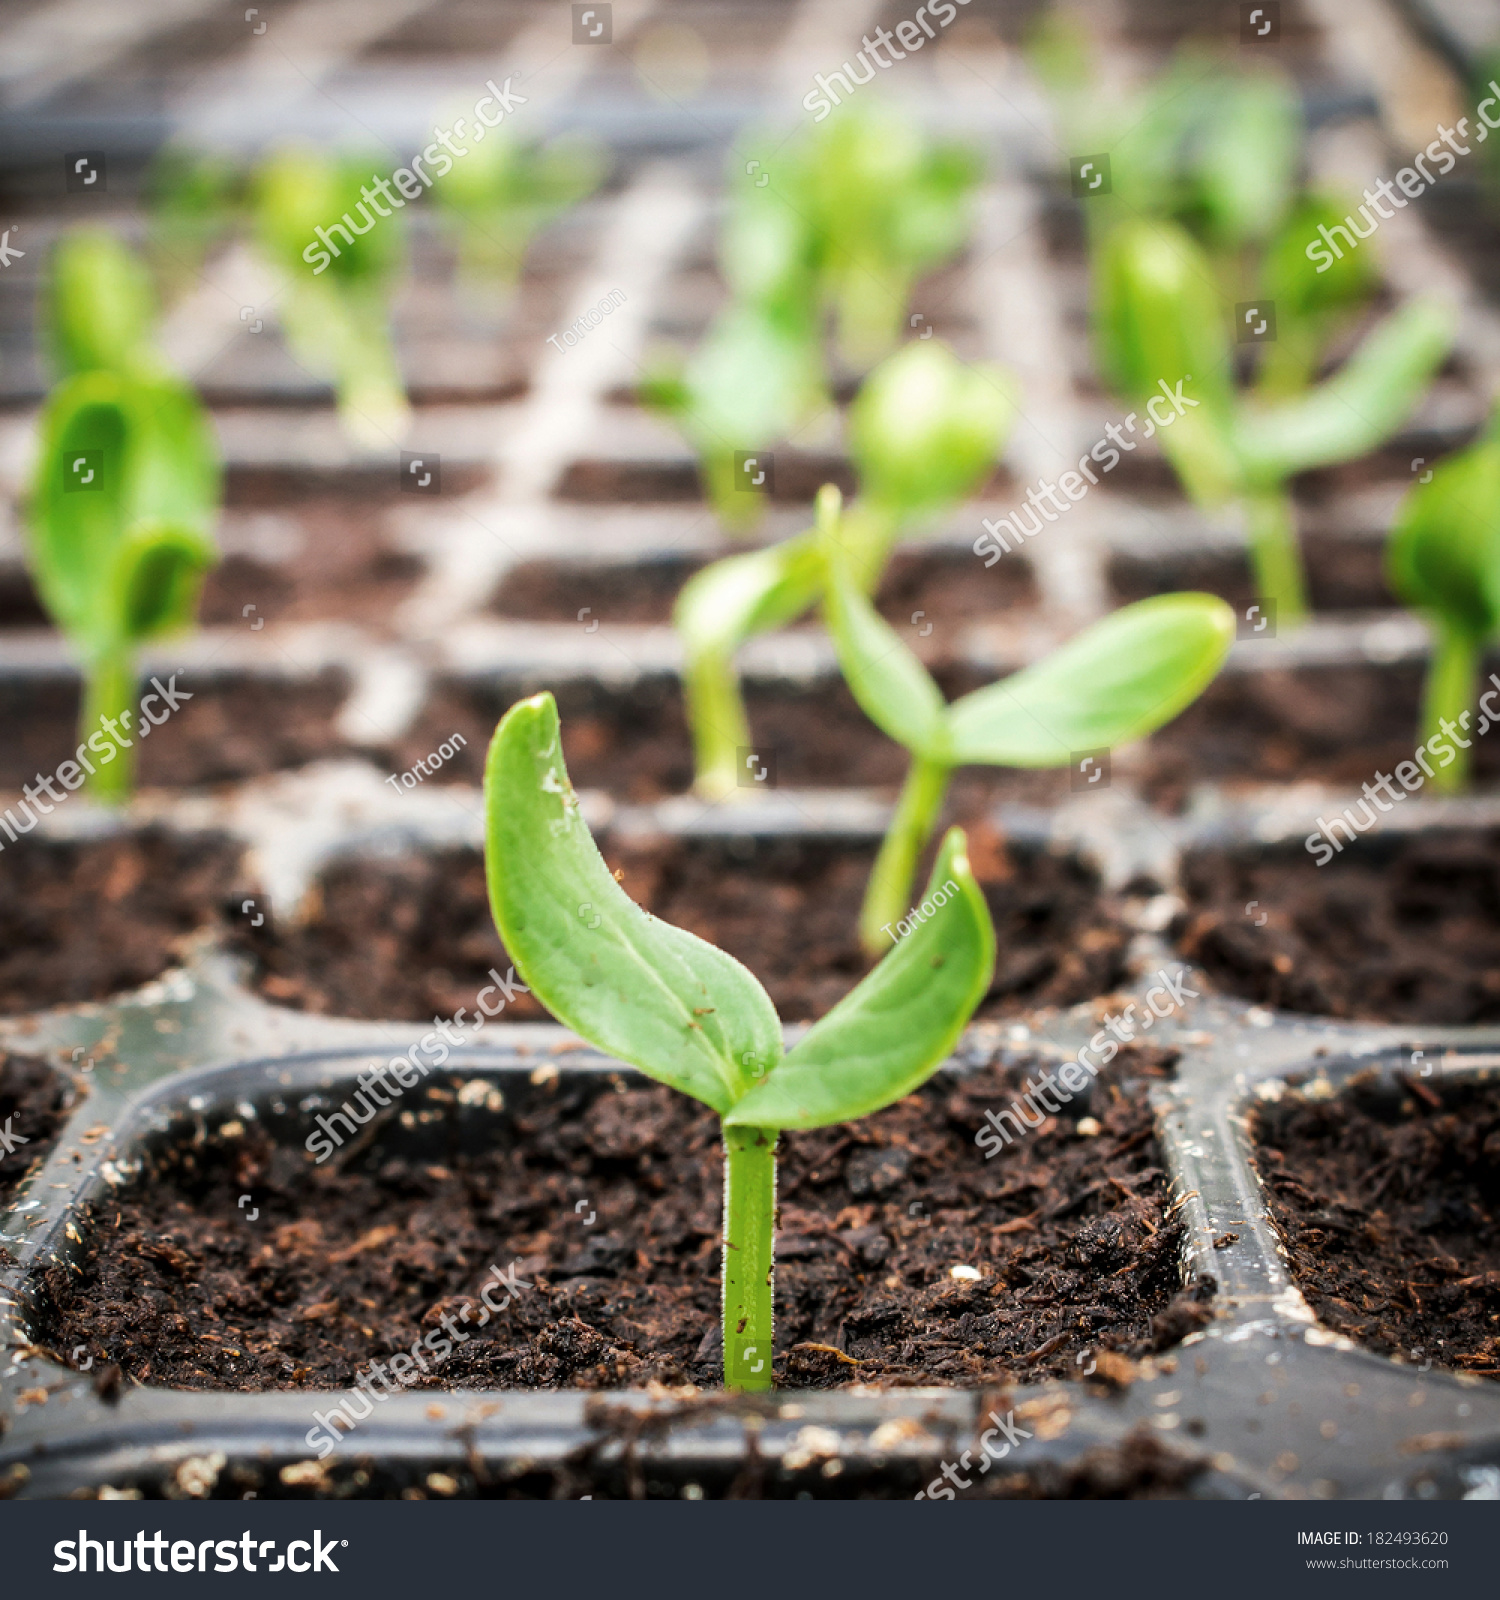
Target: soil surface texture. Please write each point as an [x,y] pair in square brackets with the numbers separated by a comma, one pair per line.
[947,585]
[32,1102]
[636,744]
[83,919]
[1339,725]
[1396,929]
[357,1259]
[1389,1210]
[1343,574]
[229,730]
[412,937]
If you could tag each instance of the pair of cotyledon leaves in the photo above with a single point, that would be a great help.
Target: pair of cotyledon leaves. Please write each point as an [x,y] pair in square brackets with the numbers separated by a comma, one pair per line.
[1116,681]
[923,432]
[679,1009]
[127,476]
[1159,318]
[689,1015]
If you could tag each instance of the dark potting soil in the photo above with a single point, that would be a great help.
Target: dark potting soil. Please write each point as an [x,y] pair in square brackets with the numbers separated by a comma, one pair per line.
[945,585]
[344,571]
[231,729]
[1339,725]
[348,1263]
[412,937]
[82,919]
[636,744]
[32,1101]
[1342,575]
[1389,1210]
[1396,929]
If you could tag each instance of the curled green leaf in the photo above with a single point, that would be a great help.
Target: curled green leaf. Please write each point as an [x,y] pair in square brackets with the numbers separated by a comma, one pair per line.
[888,1036]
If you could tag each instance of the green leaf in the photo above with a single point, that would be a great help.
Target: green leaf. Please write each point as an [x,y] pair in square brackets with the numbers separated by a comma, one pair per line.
[1356,410]
[925,430]
[299,190]
[639,989]
[749,383]
[1158,315]
[1444,553]
[890,1034]
[1158,319]
[98,305]
[894,690]
[1293,281]
[122,562]
[724,604]
[158,576]
[1118,680]
[1244,168]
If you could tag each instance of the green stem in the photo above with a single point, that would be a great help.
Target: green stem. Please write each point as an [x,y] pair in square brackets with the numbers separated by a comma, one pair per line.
[1276,556]
[716,714]
[108,691]
[749,1256]
[889,888]
[1451,678]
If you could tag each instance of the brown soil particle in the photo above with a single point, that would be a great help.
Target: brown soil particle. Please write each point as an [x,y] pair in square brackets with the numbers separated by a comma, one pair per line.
[1388,1205]
[32,1101]
[1396,929]
[82,919]
[412,936]
[604,1194]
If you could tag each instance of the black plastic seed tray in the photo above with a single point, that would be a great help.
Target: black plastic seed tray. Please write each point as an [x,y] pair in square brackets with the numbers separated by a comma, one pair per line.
[1261,1401]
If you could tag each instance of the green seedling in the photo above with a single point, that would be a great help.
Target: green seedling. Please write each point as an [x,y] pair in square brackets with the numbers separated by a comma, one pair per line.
[886,204]
[1313,308]
[1219,154]
[1216,151]
[1120,679]
[194,202]
[924,432]
[758,376]
[124,492]
[1444,559]
[98,312]
[1159,320]
[843,221]
[335,307]
[122,508]
[504,192]
[690,1016]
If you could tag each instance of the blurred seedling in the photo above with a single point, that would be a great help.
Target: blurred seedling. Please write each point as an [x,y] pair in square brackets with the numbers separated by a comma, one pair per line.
[1118,680]
[924,433]
[839,223]
[503,193]
[1444,560]
[335,308]
[124,493]
[1158,320]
